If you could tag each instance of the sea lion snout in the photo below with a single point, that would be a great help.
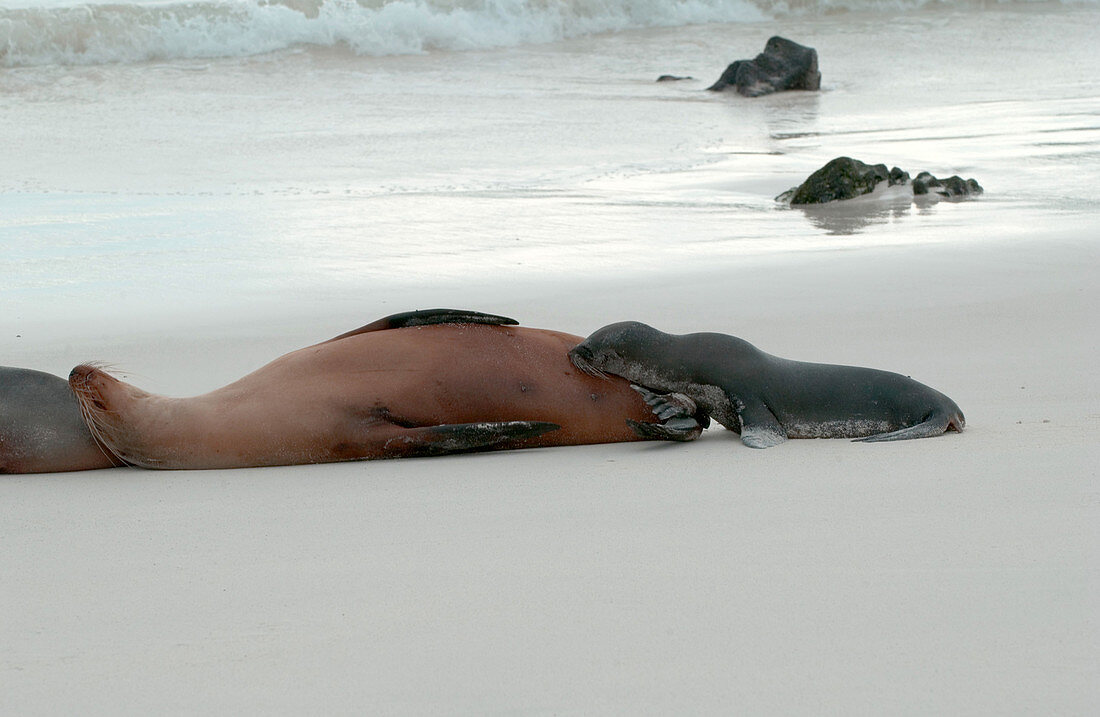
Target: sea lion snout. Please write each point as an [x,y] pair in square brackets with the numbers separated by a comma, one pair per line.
[88,383]
[84,378]
[81,374]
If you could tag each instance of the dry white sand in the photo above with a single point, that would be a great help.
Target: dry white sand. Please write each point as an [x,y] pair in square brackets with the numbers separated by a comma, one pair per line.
[958,575]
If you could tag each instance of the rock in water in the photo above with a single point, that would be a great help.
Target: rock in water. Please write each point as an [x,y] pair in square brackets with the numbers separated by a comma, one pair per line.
[847,178]
[844,178]
[783,65]
[955,186]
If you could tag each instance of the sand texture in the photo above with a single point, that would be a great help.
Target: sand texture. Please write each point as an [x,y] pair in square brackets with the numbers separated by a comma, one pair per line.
[955,575]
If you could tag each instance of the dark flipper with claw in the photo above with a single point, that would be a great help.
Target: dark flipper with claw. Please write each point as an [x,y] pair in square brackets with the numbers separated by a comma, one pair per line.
[427,317]
[667,405]
[464,437]
[684,428]
[677,412]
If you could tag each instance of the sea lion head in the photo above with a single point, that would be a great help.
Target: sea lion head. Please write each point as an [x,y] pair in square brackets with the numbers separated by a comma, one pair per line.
[624,349]
[105,404]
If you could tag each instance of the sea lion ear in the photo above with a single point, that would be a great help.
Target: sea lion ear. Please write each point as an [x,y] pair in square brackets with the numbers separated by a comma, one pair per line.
[427,317]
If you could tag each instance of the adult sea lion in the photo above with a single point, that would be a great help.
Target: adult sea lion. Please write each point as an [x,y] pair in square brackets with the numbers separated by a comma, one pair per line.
[41,429]
[765,398]
[413,384]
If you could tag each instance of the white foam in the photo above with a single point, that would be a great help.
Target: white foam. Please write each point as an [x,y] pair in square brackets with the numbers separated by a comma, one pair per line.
[65,32]
[140,31]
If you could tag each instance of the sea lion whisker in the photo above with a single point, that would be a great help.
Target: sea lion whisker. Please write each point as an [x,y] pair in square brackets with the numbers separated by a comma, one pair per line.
[94,413]
[593,371]
[92,421]
[587,367]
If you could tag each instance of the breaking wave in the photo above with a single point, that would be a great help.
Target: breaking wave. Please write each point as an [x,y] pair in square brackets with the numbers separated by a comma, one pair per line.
[70,33]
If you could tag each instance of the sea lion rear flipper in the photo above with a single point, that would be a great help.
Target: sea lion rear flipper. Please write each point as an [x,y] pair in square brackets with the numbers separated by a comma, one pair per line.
[759,426]
[464,437]
[427,317]
[935,424]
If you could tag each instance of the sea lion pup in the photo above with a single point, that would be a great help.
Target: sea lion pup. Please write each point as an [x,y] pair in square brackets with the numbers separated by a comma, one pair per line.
[765,398]
[41,429]
[413,384]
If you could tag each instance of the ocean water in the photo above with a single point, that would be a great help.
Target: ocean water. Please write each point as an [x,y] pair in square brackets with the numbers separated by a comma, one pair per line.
[214,157]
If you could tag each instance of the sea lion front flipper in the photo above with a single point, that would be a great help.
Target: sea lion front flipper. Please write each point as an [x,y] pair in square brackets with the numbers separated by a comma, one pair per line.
[667,405]
[759,426]
[463,437]
[427,317]
[679,416]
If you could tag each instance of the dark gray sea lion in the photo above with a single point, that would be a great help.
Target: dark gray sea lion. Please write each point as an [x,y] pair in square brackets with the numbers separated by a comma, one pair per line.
[765,398]
[41,429]
[783,65]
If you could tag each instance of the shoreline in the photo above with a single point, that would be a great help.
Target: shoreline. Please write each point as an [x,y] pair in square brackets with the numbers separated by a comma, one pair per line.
[576,306]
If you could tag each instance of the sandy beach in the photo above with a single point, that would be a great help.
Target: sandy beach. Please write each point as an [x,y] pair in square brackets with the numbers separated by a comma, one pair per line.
[955,575]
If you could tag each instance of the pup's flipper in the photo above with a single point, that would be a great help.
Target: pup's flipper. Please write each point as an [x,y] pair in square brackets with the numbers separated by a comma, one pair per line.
[682,428]
[759,426]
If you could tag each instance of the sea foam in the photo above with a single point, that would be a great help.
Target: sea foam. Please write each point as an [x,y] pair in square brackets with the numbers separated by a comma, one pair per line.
[86,34]
[64,32]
